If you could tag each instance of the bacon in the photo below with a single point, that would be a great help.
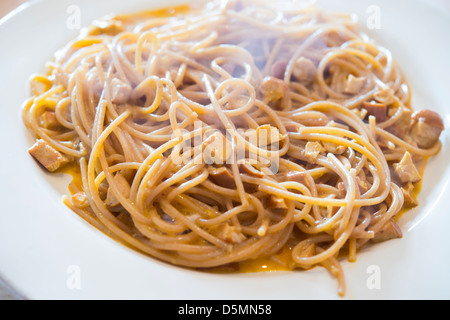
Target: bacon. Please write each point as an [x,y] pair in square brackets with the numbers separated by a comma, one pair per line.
[426,128]
[46,155]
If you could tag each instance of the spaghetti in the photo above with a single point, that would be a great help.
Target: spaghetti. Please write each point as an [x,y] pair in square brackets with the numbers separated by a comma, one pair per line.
[207,137]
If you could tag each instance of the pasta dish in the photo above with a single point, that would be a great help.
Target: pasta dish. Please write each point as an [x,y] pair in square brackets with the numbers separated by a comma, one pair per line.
[241,131]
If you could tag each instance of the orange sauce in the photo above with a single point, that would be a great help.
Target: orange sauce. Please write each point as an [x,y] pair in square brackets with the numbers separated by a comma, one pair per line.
[279,262]
[157,13]
[73,170]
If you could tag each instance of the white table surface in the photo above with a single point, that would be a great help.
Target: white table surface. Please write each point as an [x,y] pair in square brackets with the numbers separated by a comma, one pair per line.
[6,6]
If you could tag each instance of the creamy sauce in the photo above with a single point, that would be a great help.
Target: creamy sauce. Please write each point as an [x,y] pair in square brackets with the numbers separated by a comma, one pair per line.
[279,262]
[73,170]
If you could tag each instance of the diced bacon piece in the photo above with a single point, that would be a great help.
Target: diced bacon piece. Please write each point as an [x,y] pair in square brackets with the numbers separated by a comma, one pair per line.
[267,135]
[402,126]
[292,127]
[107,26]
[385,96]
[378,110]
[277,205]
[120,91]
[275,92]
[426,128]
[410,200]
[315,122]
[222,177]
[312,151]
[49,120]
[46,155]
[406,170]
[304,70]
[80,200]
[390,231]
[354,84]
[296,176]
[333,148]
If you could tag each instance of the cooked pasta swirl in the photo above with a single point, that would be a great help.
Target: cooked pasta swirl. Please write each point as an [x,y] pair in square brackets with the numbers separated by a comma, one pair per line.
[208,137]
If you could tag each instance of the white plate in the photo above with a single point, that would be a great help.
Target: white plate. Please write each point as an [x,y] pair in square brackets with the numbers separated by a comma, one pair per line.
[43,244]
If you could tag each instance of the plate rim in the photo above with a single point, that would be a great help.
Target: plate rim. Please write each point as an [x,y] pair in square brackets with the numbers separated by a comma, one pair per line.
[29,6]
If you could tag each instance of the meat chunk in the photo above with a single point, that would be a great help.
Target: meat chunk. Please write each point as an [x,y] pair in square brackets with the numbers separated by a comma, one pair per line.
[406,170]
[275,92]
[333,148]
[410,200]
[123,187]
[292,127]
[120,91]
[296,176]
[354,85]
[46,155]
[49,120]
[277,205]
[401,127]
[80,200]
[385,96]
[108,26]
[312,151]
[390,231]
[222,177]
[426,128]
[247,168]
[378,110]
[321,121]
[304,70]
[268,135]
